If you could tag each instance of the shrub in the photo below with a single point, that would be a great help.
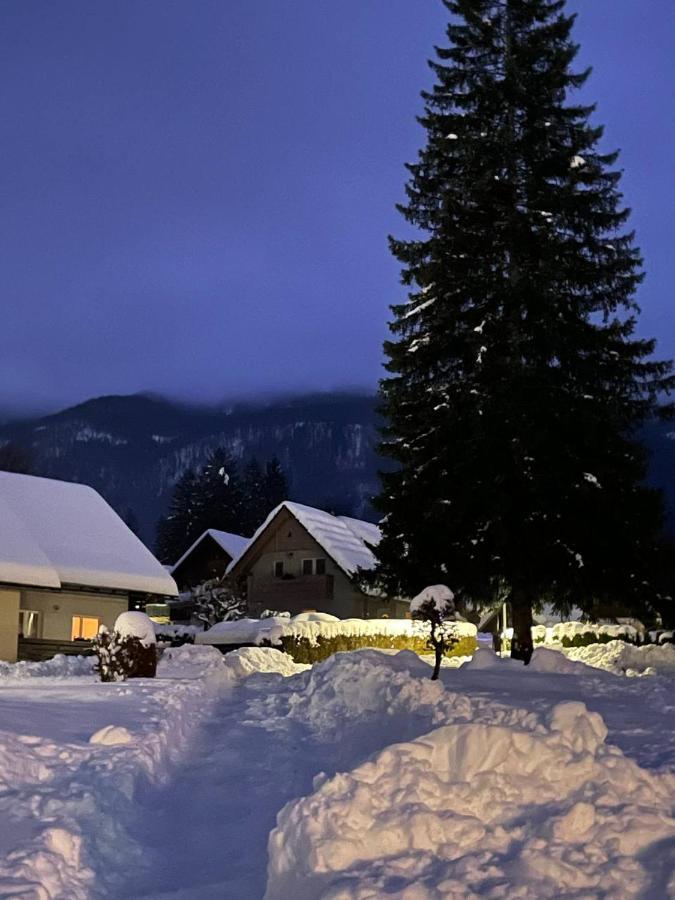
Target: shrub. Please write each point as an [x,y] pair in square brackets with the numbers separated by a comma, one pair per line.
[587,638]
[218,600]
[123,656]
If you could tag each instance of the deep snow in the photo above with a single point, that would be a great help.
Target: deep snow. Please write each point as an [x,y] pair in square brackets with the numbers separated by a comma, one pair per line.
[366,778]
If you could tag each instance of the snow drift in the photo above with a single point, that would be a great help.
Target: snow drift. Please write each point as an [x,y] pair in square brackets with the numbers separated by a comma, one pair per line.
[476,809]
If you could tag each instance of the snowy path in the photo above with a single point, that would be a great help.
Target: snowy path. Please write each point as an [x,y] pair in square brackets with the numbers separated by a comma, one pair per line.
[206,833]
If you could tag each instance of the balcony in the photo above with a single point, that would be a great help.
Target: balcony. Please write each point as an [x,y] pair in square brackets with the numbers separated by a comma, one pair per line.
[293,594]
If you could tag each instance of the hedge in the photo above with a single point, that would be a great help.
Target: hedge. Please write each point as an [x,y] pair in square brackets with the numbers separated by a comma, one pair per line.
[303,651]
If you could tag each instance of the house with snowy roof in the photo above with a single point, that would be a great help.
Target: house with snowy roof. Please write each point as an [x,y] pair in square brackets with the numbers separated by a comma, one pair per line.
[68,564]
[304,559]
[209,557]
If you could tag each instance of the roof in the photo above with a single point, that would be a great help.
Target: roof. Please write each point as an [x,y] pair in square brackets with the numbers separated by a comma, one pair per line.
[343,539]
[233,544]
[54,533]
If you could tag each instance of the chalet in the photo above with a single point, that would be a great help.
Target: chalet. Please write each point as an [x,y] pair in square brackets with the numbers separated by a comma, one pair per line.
[209,557]
[303,559]
[68,564]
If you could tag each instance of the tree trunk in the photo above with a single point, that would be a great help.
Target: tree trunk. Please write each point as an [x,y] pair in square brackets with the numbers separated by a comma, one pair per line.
[438,650]
[521,644]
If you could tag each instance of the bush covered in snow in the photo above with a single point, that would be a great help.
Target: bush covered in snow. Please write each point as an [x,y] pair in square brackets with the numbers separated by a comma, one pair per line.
[218,600]
[129,651]
[435,606]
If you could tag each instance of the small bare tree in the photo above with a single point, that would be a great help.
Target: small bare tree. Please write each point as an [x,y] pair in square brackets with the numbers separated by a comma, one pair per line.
[436,606]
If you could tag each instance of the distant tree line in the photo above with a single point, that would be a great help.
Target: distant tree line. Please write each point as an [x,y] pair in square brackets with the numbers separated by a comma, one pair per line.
[16,458]
[219,496]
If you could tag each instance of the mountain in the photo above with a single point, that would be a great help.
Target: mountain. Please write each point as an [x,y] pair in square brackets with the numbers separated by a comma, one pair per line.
[132,449]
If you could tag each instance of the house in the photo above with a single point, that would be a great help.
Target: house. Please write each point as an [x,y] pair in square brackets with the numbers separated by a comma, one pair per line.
[207,558]
[68,564]
[303,559]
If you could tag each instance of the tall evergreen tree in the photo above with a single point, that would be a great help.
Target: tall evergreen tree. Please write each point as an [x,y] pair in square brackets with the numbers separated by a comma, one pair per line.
[254,502]
[180,527]
[274,486]
[219,494]
[516,383]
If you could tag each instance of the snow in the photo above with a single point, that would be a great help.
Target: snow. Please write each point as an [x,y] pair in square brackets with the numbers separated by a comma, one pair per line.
[54,533]
[246,776]
[315,617]
[249,660]
[258,631]
[344,539]
[138,625]
[626,659]
[233,544]
[439,595]
[59,666]
[111,735]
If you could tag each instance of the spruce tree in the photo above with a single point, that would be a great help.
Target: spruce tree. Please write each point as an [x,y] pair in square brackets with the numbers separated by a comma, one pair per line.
[219,494]
[180,527]
[275,485]
[254,502]
[516,383]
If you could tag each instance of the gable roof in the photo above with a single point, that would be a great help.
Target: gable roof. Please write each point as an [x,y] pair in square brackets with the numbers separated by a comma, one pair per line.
[233,544]
[342,538]
[54,533]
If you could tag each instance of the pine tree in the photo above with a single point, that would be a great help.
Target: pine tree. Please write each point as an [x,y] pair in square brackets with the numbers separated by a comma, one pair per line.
[517,385]
[255,504]
[180,527]
[219,494]
[275,485]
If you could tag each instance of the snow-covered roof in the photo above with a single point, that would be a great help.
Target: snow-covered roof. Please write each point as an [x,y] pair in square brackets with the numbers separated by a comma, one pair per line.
[343,539]
[54,533]
[233,544]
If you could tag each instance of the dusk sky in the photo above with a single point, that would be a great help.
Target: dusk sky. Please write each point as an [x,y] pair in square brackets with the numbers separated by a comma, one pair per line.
[195,195]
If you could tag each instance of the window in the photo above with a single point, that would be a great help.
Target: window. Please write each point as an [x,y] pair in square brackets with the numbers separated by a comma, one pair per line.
[314,566]
[84,628]
[29,623]
[279,568]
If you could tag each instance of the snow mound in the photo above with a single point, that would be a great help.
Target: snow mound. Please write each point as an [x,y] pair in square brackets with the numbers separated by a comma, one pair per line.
[364,699]
[552,661]
[543,660]
[189,661]
[249,660]
[439,595]
[111,735]
[138,625]
[626,659]
[315,617]
[485,658]
[476,809]
[59,666]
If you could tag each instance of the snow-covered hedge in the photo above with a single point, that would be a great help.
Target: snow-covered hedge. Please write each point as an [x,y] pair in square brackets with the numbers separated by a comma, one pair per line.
[309,641]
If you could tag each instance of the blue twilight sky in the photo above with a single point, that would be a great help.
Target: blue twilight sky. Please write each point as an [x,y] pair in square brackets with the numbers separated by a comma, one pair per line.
[195,194]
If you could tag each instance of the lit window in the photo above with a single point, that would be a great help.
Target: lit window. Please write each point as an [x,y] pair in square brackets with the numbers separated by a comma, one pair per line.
[29,623]
[84,628]
[279,568]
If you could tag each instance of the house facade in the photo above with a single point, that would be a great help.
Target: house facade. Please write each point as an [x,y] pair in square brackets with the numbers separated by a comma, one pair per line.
[209,557]
[68,564]
[303,559]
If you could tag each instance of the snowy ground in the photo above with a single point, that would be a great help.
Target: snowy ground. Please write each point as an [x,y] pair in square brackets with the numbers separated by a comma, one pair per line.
[358,778]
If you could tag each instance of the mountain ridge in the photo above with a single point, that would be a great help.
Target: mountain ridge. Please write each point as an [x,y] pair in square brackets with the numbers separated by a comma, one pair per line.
[133,448]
